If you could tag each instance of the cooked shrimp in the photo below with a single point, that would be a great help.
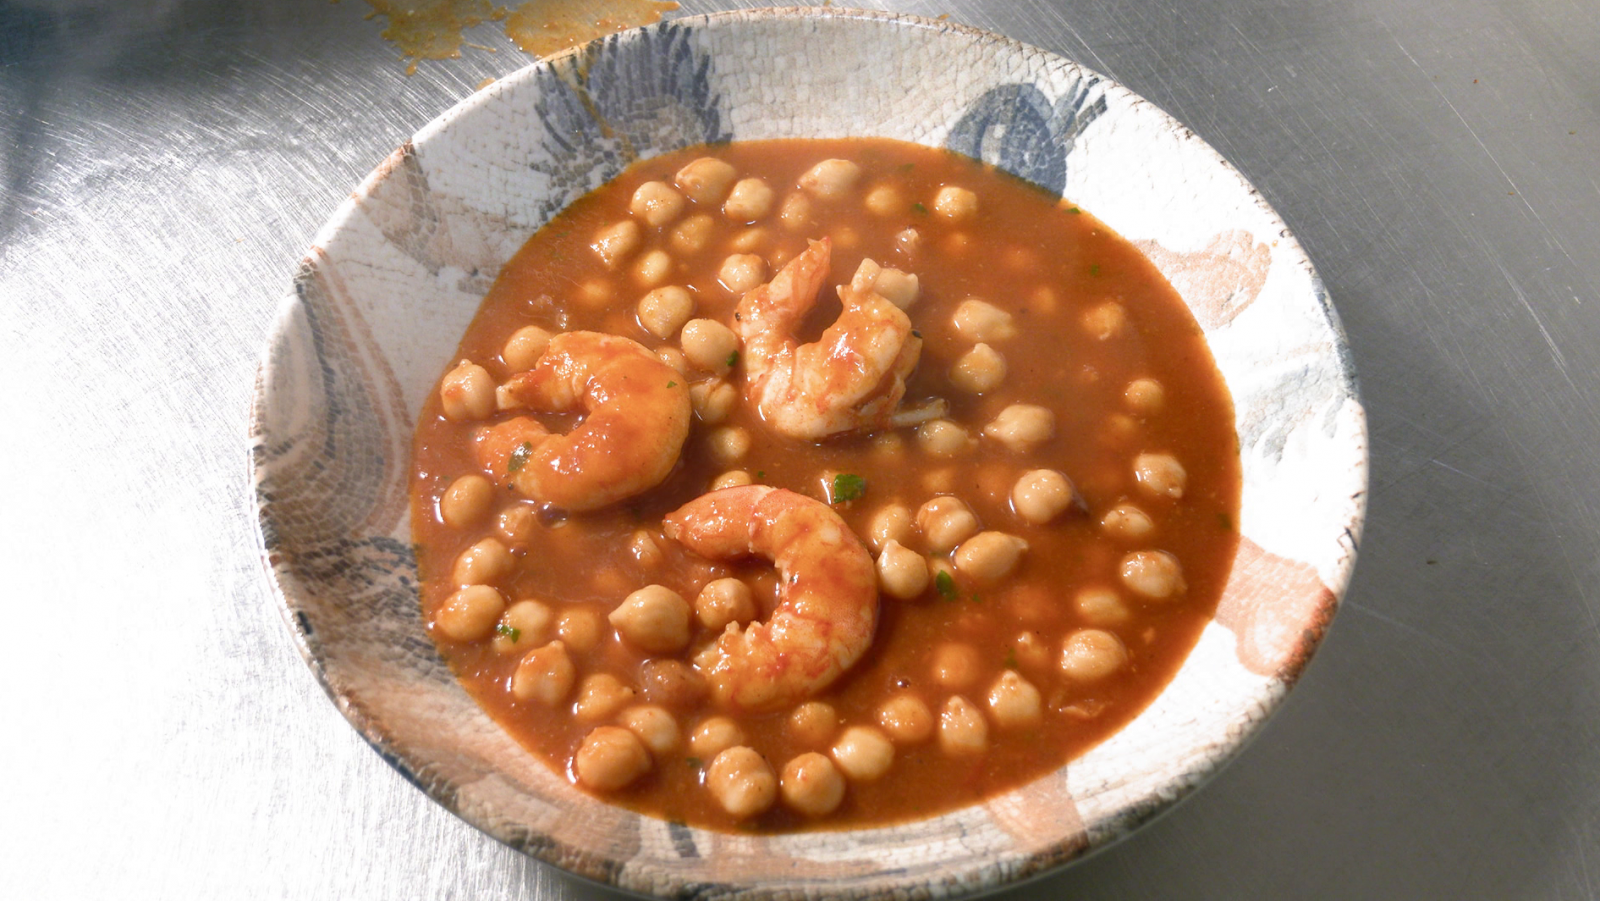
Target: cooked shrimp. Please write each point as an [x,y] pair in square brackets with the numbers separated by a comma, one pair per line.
[638,417]
[827,604]
[853,378]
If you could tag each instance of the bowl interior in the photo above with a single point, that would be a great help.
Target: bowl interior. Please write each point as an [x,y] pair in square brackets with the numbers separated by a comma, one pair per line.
[393,279]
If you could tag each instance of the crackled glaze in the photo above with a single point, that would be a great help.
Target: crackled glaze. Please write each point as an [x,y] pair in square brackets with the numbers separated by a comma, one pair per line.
[394,277]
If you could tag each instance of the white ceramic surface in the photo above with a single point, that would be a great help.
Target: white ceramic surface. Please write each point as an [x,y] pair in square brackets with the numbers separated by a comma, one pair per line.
[393,278]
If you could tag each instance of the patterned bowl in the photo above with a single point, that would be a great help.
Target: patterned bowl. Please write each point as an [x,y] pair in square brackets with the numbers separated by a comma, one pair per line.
[392,280]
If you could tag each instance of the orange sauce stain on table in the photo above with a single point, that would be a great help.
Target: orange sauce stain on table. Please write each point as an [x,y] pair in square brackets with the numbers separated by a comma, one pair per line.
[433,29]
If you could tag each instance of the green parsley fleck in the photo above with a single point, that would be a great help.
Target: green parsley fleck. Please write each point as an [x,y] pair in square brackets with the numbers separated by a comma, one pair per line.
[907,167]
[672,384]
[1011,659]
[1225,521]
[733,359]
[1094,268]
[946,585]
[847,487]
[509,632]
[919,208]
[693,762]
[1074,210]
[761,473]
[519,458]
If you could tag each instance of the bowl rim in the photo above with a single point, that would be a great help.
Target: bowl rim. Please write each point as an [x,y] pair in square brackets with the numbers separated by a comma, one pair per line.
[552,850]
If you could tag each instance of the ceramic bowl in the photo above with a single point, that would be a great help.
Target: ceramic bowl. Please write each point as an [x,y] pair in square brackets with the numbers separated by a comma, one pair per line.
[393,278]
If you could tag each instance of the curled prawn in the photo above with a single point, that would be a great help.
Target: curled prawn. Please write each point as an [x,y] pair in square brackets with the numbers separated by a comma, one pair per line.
[827,599]
[852,378]
[637,418]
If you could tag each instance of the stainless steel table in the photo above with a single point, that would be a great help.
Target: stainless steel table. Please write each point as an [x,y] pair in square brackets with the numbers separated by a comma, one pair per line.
[164,163]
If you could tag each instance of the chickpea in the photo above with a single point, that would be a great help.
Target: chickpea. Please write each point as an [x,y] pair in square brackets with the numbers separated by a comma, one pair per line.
[674,358]
[505,399]
[663,311]
[897,287]
[962,729]
[943,438]
[812,785]
[705,180]
[978,371]
[1022,427]
[545,675]
[955,665]
[733,478]
[888,446]
[1101,607]
[751,240]
[1031,651]
[1159,475]
[671,683]
[610,758]
[902,572]
[617,242]
[1041,495]
[1014,702]
[656,203]
[516,523]
[813,723]
[906,719]
[946,522]
[1092,654]
[467,392]
[978,320]
[795,214]
[710,345]
[1144,396]
[741,272]
[644,549]
[1156,575]
[692,234]
[596,293]
[524,348]
[470,613]
[988,557]
[742,782]
[600,696]
[955,204]
[750,200]
[466,501]
[579,628]
[484,562]
[831,179]
[524,624]
[885,200]
[891,522]
[653,726]
[652,268]
[863,753]
[908,241]
[715,735]
[724,601]
[728,443]
[1127,521]
[713,400]
[654,618]
[1108,320]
